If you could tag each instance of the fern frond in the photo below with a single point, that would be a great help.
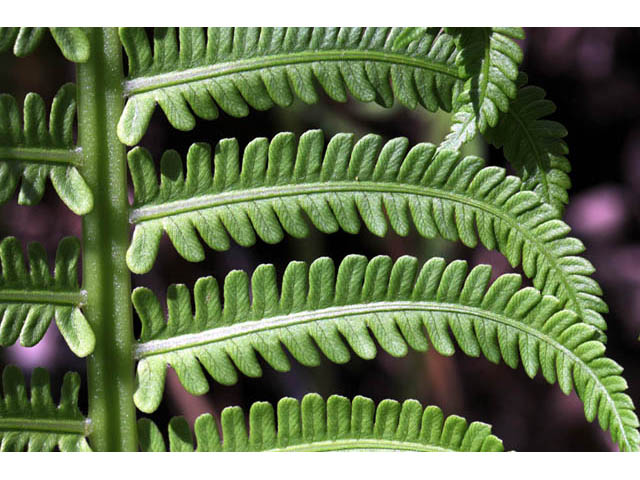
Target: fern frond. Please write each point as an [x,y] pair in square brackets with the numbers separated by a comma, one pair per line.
[72,41]
[234,69]
[393,303]
[488,58]
[277,183]
[34,152]
[534,145]
[36,424]
[31,297]
[313,425]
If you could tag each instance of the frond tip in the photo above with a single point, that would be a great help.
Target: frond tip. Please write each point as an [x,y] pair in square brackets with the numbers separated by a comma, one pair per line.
[534,145]
[315,425]
[401,306]
[31,297]
[33,151]
[36,424]
[488,59]
[274,186]
[195,73]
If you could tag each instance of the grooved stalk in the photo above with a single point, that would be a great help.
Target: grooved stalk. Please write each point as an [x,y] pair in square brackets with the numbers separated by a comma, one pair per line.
[105,240]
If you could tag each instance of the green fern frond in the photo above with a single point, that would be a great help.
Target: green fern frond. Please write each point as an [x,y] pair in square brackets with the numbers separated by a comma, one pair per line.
[234,69]
[30,298]
[313,425]
[36,424]
[72,41]
[34,152]
[488,58]
[276,184]
[534,145]
[317,310]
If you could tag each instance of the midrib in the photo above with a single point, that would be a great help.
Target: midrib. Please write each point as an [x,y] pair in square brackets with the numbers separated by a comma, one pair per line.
[44,425]
[147,83]
[53,155]
[365,444]
[76,298]
[220,334]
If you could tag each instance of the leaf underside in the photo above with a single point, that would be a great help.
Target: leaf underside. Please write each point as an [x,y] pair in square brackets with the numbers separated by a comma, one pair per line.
[315,425]
[72,41]
[278,185]
[488,59]
[534,145]
[399,305]
[36,424]
[31,297]
[32,150]
[233,69]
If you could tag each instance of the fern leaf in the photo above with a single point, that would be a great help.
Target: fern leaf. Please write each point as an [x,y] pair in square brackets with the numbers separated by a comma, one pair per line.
[488,58]
[276,184]
[313,425]
[30,298]
[534,145]
[34,152]
[36,424]
[397,304]
[72,41]
[234,69]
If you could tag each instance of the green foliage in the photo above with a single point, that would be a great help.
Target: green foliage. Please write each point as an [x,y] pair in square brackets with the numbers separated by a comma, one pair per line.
[397,304]
[31,297]
[72,41]
[313,425]
[34,152]
[36,424]
[237,68]
[488,59]
[534,145]
[268,191]
[275,188]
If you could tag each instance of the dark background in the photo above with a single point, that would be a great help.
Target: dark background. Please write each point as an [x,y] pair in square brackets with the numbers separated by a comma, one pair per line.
[593,76]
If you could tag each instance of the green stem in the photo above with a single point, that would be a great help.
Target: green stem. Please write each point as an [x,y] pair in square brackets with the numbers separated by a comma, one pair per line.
[105,240]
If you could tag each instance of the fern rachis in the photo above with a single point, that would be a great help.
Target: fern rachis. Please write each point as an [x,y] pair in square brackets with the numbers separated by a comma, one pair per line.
[286,185]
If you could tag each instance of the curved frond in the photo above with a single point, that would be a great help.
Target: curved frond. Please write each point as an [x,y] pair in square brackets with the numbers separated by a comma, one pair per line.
[534,145]
[488,59]
[36,423]
[399,305]
[33,151]
[31,297]
[72,41]
[277,183]
[313,425]
[236,68]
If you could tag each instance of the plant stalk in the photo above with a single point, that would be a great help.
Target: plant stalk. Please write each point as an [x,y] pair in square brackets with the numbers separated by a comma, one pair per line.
[110,369]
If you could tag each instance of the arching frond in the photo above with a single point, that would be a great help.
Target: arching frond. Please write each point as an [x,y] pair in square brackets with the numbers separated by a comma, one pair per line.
[534,146]
[72,41]
[237,68]
[275,184]
[31,297]
[313,425]
[488,59]
[34,151]
[397,304]
[36,423]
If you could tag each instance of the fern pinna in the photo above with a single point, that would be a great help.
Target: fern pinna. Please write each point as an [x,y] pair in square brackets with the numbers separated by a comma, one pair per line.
[222,194]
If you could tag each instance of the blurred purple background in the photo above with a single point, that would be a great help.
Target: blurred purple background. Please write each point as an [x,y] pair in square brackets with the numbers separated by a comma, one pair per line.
[593,76]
